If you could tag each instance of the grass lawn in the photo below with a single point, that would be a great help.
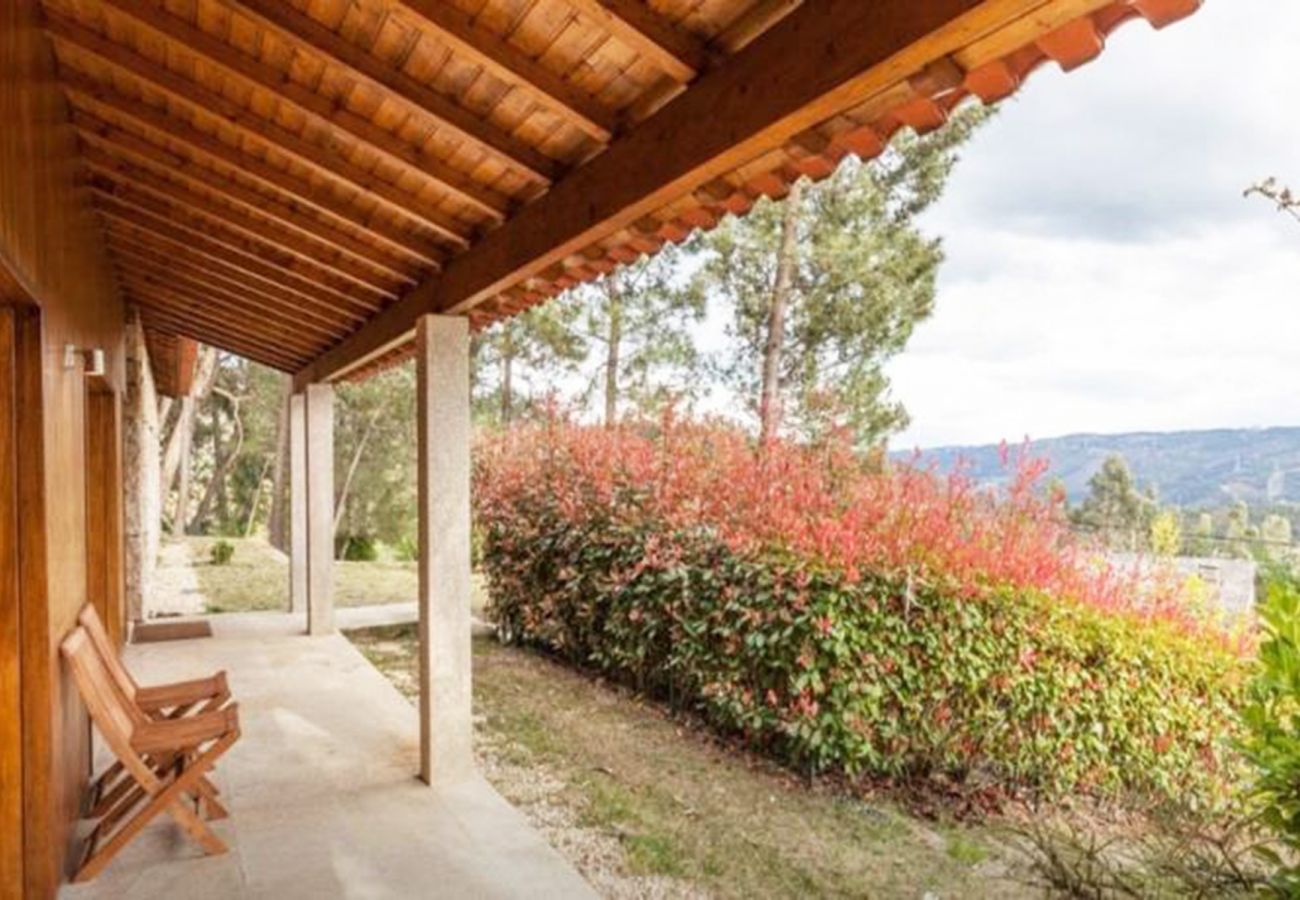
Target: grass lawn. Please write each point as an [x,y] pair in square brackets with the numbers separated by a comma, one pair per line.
[693,817]
[257,578]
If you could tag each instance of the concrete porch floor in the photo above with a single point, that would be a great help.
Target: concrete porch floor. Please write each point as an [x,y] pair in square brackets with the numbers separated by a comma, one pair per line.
[321,789]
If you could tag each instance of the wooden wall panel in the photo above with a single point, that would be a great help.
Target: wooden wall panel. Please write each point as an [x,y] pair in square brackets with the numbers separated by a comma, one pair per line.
[51,246]
[11,736]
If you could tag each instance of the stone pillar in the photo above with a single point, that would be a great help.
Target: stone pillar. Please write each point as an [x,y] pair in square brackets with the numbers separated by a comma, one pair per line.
[141,475]
[298,503]
[443,423]
[319,444]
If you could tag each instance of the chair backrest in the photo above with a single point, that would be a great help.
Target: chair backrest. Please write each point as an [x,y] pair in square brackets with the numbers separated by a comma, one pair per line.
[116,717]
[89,619]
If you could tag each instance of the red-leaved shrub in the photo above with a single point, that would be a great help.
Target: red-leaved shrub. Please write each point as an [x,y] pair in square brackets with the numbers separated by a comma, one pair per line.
[852,614]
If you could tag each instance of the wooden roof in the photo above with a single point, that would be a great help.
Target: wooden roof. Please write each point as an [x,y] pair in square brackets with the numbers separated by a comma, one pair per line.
[297,181]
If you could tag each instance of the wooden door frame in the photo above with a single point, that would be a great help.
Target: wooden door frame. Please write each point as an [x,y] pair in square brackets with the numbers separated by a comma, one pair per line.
[105,587]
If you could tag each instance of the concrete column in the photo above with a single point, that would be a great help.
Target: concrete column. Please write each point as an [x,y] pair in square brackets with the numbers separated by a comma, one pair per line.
[443,421]
[319,445]
[298,503]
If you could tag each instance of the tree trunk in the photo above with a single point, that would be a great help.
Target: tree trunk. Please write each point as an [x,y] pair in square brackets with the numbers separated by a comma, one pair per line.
[277,525]
[614,342]
[223,456]
[251,518]
[183,426]
[205,374]
[341,501]
[507,373]
[769,404]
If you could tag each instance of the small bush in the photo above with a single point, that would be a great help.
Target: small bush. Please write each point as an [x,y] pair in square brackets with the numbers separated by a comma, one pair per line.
[356,548]
[222,553]
[890,623]
[1272,717]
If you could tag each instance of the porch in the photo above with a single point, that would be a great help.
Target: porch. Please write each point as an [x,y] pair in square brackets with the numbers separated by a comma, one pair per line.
[322,790]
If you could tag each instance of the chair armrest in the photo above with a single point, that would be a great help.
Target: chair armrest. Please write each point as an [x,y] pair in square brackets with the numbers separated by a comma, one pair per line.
[180,735]
[181,693]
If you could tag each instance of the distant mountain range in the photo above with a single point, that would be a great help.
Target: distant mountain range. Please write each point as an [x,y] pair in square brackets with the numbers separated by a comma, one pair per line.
[1187,468]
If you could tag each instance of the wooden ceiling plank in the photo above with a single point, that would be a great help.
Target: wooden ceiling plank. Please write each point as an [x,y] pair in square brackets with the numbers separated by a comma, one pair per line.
[513,66]
[185,278]
[316,107]
[282,182]
[112,141]
[310,36]
[185,308]
[328,164]
[224,275]
[823,58]
[679,54]
[305,255]
[192,321]
[287,239]
[258,257]
[169,325]
[211,249]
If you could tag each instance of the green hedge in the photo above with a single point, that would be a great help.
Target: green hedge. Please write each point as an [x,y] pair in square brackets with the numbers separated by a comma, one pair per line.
[1005,689]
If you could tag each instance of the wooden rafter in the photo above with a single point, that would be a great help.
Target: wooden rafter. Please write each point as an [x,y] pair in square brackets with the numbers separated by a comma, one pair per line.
[312,105]
[797,75]
[326,163]
[198,244]
[165,299]
[108,141]
[253,255]
[87,90]
[190,325]
[310,36]
[193,275]
[513,66]
[679,54]
[276,238]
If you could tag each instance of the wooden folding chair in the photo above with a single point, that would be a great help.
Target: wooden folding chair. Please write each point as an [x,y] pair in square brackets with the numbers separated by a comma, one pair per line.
[190,746]
[164,701]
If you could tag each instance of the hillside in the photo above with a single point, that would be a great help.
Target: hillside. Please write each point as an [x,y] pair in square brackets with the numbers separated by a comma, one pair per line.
[1188,468]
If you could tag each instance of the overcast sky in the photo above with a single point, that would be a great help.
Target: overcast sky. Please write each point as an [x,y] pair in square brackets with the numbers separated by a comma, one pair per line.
[1104,272]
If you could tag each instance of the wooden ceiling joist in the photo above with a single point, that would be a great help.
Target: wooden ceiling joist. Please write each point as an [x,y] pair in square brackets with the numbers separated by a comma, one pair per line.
[323,199]
[680,55]
[797,75]
[282,238]
[111,142]
[166,299]
[252,71]
[195,326]
[325,162]
[255,259]
[310,36]
[205,283]
[504,61]
[253,235]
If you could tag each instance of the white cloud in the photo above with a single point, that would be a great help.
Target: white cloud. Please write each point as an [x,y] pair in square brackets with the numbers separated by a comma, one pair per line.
[1104,272]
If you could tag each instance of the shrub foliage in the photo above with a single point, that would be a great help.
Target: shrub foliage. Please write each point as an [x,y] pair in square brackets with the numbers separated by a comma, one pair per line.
[848,616]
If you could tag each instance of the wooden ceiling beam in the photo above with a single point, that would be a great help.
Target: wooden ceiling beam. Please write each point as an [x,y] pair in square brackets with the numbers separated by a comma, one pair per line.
[325,162]
[679,54]
[257,257]
[222,275]
[319,109]
[310,36]
[323,199]
[511,65]
[238,298]
[200,245]
[825,57]
[302,256]
[203,310]
[114,142]
[184,309]
[159,320]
